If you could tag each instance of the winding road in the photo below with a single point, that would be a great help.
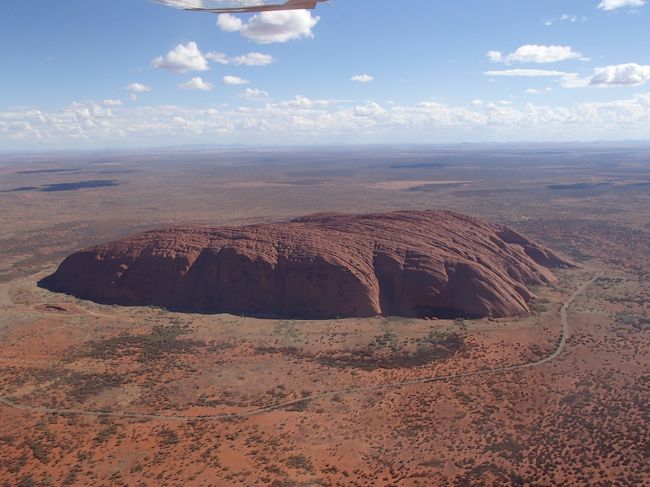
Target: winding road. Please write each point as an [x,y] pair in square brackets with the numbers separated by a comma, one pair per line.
[277,407]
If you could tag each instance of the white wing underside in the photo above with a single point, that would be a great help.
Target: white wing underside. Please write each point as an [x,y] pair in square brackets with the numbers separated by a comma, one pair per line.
[240,6]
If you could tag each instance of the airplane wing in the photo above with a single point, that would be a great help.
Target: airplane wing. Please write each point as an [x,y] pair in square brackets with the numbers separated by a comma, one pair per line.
[240,6]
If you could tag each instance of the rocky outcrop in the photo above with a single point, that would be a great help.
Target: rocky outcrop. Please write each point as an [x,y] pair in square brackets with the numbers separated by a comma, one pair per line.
[408,263]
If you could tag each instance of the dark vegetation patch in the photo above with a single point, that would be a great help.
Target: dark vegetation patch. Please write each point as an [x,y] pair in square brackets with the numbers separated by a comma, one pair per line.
[7,440]
[384,352]
[106,433]
[76,386]
[39,452]
[84,386]
[580,399]
[103,161]
[299,406]
[475,475]
[48,171]
[116,171]
[304,182]
[420,165]
[577,186]
[300,462]
[27,481]
[21,188]
[597,188]
[95,183]
[493,193]
[294,483]
[433,463]
[168,437]
[57,187]
[631,320]
[538,305]
[583,190]
[435,187]
[508,448]
[163,341]
[319,173]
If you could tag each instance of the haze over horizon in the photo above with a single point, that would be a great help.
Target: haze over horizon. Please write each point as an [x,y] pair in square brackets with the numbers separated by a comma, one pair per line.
[132,73]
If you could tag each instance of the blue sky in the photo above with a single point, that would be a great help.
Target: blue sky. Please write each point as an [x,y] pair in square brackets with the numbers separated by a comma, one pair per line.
[121,73]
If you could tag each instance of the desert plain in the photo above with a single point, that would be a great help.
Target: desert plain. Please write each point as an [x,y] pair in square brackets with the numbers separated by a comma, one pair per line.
[105,395]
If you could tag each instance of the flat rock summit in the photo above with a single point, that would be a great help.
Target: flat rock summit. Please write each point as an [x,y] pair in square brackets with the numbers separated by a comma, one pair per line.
[406,263]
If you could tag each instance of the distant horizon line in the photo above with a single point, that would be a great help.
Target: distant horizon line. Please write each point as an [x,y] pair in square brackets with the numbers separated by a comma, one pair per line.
[242,146]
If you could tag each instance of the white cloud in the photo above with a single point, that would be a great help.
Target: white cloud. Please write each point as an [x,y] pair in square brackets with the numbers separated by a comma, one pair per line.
[370,109]
[303,103]
[538,91]
[534,53]
[271,27]
[138,88]
[253,59]
[254,94]
[182,59]
[574,80]
[362,78]
[528,73]
[229,23]
[250,59]
[217,57]
[112,103]
[75,124]
[234,80]
[197,83]
[300,120]
[564,18]
[630,74]
[495,56]
[609,5]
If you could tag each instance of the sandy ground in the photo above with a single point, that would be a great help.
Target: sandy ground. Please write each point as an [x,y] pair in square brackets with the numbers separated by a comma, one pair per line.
[454,431]
[403,185]
[579,420]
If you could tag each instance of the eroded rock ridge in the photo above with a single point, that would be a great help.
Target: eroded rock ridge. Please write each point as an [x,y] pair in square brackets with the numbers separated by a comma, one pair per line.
[407,263]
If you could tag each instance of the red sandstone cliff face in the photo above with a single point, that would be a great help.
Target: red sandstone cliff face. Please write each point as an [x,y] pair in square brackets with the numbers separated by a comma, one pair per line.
[413,264]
